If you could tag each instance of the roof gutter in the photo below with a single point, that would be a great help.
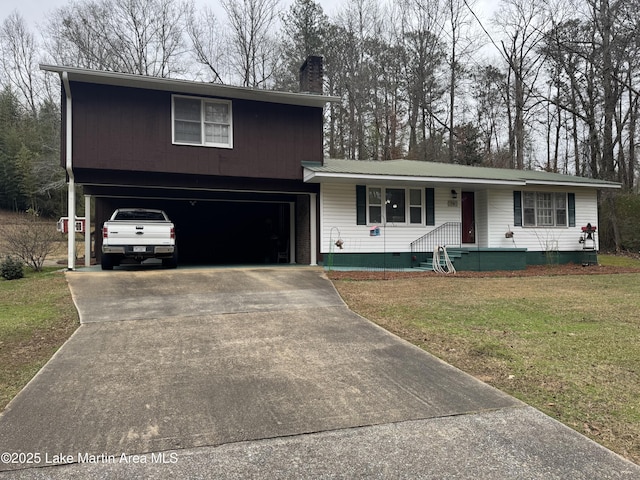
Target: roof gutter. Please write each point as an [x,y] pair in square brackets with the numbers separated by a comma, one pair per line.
[71,195]
[313,176]
[189,87]
[318,177]
[576,184]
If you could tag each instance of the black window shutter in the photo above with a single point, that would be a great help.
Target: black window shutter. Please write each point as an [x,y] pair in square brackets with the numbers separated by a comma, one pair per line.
[517,208]
[571,200]
[361,205]
[431,208]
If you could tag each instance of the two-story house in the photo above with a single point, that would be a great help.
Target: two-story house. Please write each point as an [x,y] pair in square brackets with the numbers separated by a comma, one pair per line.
[224,162]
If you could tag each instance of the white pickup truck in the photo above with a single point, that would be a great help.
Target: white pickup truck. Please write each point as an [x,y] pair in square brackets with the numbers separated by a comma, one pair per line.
[138,234]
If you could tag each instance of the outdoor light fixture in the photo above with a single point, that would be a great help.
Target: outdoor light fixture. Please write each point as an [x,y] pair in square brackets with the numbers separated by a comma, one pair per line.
[454,194]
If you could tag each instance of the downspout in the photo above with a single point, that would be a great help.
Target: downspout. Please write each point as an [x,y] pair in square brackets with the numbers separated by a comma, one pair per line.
[71,196]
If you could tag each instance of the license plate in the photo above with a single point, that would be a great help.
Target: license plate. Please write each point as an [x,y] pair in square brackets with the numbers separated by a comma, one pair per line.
[139,249]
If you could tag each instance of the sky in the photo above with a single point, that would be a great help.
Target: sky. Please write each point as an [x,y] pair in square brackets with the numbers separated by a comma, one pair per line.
[35,11]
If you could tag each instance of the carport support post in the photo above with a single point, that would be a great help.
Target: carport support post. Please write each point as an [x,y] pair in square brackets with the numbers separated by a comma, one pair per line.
[71,194]
[71,209]
[87,230]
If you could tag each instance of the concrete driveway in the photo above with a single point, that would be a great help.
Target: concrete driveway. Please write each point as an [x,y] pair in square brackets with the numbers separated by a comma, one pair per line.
[265,373]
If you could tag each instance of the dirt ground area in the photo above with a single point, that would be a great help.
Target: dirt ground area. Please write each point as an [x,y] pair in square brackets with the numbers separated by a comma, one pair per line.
[534,270]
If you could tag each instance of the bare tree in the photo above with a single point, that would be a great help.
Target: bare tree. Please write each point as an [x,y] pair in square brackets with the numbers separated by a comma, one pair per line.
[144,37]
[424,57]
[490,85]
[461,44]
[593,59]
[351,75]
[19,51]
[209,38]
[524,25]
[253,53]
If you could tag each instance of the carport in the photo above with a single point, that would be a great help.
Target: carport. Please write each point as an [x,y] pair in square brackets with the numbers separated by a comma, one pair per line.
[220,227]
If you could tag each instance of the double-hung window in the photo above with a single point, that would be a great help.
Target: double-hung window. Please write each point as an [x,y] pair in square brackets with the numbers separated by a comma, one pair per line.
[375,204]
[544,209]
[415,206]
[395,205]
[202,121]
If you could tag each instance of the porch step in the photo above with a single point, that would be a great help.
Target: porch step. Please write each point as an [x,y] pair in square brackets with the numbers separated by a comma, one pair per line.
[453,253]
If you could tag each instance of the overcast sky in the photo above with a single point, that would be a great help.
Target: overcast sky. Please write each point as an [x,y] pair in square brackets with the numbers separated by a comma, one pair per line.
[35,11]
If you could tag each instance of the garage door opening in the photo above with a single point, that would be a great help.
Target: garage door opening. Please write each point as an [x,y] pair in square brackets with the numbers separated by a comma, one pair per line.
[231,233]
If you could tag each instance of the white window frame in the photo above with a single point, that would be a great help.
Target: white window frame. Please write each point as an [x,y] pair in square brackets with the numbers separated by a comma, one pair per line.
[540,209]
[407,206]
[203,122]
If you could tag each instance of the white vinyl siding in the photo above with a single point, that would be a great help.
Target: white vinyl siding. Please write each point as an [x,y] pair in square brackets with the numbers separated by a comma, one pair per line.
[539,238]
[481,217]
[494,217]
[338,218]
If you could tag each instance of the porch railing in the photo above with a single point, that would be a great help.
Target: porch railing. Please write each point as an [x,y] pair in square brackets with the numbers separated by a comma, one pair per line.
[448,234]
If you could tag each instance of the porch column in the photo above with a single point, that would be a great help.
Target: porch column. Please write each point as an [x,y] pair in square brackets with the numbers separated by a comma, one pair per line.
[313,217]
[87,230]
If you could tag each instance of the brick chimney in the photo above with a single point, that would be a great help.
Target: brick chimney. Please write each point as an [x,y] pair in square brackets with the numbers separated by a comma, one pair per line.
[311,75]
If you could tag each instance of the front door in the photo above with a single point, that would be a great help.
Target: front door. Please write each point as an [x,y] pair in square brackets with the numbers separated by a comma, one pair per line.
[468,218]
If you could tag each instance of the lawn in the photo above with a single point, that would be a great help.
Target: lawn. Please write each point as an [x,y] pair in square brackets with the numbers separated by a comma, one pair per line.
[37,315]
[567,345]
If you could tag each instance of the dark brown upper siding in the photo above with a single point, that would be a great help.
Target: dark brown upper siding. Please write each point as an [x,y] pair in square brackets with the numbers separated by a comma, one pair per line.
[118,128]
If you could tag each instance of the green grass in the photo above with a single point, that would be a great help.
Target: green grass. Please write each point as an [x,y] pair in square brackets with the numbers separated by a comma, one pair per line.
[37,315]
[618,261]
[567,345]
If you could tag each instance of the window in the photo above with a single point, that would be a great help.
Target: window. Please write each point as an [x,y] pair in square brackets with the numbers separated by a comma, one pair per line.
[544,209]
[394,200]
[199,121]
[375,205]
[396,207]
[415,206]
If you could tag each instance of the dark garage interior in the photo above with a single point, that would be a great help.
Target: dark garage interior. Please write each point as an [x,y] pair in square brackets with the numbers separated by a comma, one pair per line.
[220,231]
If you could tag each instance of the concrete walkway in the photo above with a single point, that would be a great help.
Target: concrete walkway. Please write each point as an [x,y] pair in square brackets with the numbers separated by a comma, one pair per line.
[265,373]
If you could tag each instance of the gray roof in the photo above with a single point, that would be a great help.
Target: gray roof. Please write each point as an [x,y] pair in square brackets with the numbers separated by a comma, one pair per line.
[445,173]
[189,87]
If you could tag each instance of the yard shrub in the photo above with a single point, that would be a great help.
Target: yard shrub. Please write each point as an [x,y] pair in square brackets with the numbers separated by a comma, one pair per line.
[11,268]
[30,238]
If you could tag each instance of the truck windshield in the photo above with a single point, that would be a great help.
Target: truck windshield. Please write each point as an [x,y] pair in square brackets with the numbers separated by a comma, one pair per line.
[139,215]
